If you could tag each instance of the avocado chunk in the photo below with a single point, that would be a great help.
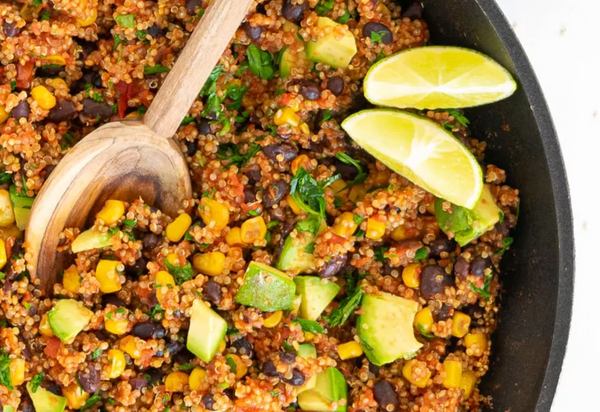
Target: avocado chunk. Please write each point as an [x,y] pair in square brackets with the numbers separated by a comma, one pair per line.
[266,288]
[207,331]
[45,401]
[385,328]
[296,254]
[465,224]
[330,50]
[21,207]
[330,387]
[68,318]
[294,56]
[307,350]
[90,239]
[316,294]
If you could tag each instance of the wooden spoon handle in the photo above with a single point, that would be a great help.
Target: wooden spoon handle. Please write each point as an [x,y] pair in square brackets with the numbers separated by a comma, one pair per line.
[195,63]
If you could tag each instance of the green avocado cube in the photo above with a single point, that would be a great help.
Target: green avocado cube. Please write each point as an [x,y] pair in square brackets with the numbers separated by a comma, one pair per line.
[330,387]
[90,239]
[67,318]
[45,401]
[294,56]
[331,50]
[307,350]
[266,288]
[317,294]
[207,331]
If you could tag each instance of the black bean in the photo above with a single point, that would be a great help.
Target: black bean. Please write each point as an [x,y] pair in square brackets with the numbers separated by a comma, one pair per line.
[113,299]
[184,356]
[208,401]
[434,280]
[413,11]
[249,195]
[503,228]
[204,127]
[64,110]
[385,395]
[253,32]
[275,193]
[474,311]
[97,80]
[94,109]
[336,85]
[155,31]
[293,12]
[254,174]
[150,241]
[26,405]
[244,347]
[297,378]
[288,151]
[10,30]
[51,387]
[333,266]
[230,393]
[138,268]
[148,330]
[374,369]
[461,268]
[191,147]
[445,312]
[138,383]
[348,172]
[49,70]
[479,265]
[87,47]
[212,290]
[269,369]
[287,357]
[20,110]
[101,334]
[89,379]
[191,5]
[381,30]
[441,245]
[310,90]
[153,376]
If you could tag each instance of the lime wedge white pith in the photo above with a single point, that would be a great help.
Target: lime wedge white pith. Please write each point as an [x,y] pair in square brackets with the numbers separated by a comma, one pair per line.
[437,78]
[420,150]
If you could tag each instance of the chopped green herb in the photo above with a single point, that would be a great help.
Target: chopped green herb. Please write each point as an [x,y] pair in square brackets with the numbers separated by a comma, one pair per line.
[36,2]
[130,223]
[27,305]
[423,332]
[310,326]
[187,120]
[287,347]
[232,365]
[5,177]
[421,253]
[232,331]
[2,275]
[500,217]
[260,62]
[483,292]
[13,85]
[311,224]
[274,394]
[121,311]
[36,381]
[253,212]
[140,34]
[358,219]
[44,15]
[309,193]
[5,371]
[96,353]
[310,248]
[158,68]
[460,118]
[186,367]
[200,13]
[359,234]
[272,224]
[156,310]
[345,309]
[126,20]
[97,97]
[118,39]
[236,93]
[326,115]
[111,401]
[361,177]
[380,253]
[94,399]
[346,16]
[180,274]
[230,151]
[337,202]
[506,242]
[324,6]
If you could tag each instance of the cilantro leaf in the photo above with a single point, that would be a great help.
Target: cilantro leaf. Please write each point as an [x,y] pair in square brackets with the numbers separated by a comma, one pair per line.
[310,326]
[126,20]
[423,332]
[36,381]
[5,371]
[459,117]
[260,62]
[309,193]
[345,309]
[230,151]
[362,175]
[5,177]
[506,242]
[421,253]
[94,399]
[157,68]
[380,253]
[180,274]
[324,6]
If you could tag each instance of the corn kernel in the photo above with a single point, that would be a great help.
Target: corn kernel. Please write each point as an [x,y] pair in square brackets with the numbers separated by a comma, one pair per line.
[234,237]
[416,373]
[4,115]
[253,229]
[349,350]
[71,279]
[111,212]
[222,346]
[116,359]
[411,275]
[400,233]
[274,319]
[90,18]
[213,213]
[55,59]
[467,383]
[286,116]
[344,225]
[176,381]
[17,371]
[177,228]
[3,257]
[357,193]
[129,345]
[163,279]
[133,115]
[339,186]
[59,83]
[76,396]
[45,327]
[309,336]
[460,324]
[43,97]
[375,229]
[116,326]
[476,343]
[108,275]
[235,253]
[7,216]
[240,369]
[302,161]
[197,378]
[453,371]
[294,205]
[424,318]
[211,263]
[305,129]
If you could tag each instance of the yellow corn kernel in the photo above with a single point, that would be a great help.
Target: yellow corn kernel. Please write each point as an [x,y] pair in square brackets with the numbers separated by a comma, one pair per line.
[274,319]
[349,350]
[71,279]
[165,280]
[43,97]
[294,206]
[214,214]
[129,345]
[107,274]
[476,343]
[309,336]
[357,193]
[234,237]
[17,371]
[45,326]
[177,228]
[253,229]
[197,378]
[222,346]
[467,383]
[133,115]
[176,381]
[58,83]
[460,324]
[76,396]
[411,275]
[453,371]
[7,216]
[286,116]
[116,326]
[344,225]
[415,374]
[424,318]
[211,263]
[55,59]
[90,18]
[375,229]
[431,208]
[3,258]
[301,161]
[111,212]
[116,359]
[400,233]
[240,367]
[4,115]
[338,186]
[305,129]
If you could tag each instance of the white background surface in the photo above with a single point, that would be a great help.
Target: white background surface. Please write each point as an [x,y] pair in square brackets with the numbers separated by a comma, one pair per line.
[561,40]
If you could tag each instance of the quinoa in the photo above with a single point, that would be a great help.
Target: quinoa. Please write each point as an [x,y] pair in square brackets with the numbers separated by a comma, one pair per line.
[105,60]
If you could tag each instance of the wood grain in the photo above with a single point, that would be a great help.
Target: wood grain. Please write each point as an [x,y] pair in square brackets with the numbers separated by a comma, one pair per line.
[193,67]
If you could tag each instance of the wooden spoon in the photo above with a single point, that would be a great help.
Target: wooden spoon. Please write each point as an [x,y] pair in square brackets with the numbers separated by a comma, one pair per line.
[130,159]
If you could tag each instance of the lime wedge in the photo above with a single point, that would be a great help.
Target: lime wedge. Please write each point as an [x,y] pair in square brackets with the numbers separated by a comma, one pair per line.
[436,78]
[421,151]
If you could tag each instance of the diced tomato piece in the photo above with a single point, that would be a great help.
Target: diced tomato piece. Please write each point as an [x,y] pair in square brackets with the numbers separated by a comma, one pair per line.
[24,75]
[53,347]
